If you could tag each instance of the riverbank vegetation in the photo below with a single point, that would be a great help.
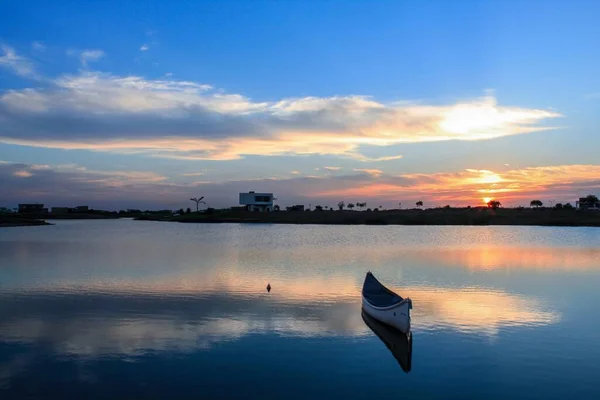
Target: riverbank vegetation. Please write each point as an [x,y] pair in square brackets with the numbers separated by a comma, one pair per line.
[432,216]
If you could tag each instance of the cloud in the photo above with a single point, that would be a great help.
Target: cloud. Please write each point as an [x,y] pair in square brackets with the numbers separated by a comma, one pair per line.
[115,189]
[189,120]
[370,171]
[38,46]
[17,64]
[144,47]
[85,56]
[193,174]
[332,168]
[22,174]
[560,182]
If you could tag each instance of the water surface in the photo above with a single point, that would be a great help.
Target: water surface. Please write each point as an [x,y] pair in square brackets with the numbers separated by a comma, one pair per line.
[162,310]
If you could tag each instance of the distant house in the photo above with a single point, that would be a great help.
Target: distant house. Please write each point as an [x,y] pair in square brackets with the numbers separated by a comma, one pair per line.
[587,203]
[257,201]
[32,209]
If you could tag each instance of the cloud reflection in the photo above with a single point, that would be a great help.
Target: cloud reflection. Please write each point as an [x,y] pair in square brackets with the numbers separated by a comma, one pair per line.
[101,323]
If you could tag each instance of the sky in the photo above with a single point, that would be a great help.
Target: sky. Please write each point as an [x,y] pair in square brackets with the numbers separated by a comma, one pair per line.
[127,104]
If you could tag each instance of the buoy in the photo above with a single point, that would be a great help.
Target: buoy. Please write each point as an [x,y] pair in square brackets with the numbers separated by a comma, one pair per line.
[269,287]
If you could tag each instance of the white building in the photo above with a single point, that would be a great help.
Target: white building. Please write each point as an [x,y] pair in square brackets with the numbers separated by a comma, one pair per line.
[257,201]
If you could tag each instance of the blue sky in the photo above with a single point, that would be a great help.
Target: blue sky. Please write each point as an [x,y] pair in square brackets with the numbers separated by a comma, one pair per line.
[122,103]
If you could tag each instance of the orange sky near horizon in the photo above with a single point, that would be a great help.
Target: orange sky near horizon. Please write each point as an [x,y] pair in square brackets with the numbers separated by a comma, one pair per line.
[477,187]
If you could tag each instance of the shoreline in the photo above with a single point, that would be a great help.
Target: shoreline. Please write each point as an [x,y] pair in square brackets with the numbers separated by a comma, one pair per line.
[440,217]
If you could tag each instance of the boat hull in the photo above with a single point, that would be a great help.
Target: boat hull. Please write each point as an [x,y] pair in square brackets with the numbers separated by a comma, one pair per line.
[397,315]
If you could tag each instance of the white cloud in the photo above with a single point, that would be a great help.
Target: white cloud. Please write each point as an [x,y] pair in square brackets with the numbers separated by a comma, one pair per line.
[333,168]
[189,120]
[19,65]
[85,56]
[38,46]
[370,171]
[144,47]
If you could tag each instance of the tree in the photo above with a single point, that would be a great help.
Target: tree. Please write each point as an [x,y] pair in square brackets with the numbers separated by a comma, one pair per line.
[318,208]
[536,203]
[350,206]
[276,207]
[558,206]
[494,204]
[399,205]
[341,205]
[568,206]
[197,201]
[419,203]
[180,211]
[188,210]
[592,199]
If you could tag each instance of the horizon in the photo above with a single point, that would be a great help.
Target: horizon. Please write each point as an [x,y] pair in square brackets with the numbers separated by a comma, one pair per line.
[443,102]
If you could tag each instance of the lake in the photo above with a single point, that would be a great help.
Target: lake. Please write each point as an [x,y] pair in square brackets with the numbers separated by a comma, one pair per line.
[122,309]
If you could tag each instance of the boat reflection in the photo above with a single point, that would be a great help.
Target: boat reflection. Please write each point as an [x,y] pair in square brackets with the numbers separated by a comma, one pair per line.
[399,344]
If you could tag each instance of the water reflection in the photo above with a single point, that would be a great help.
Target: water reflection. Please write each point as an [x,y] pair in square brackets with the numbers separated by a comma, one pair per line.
[397,342]
[101,322]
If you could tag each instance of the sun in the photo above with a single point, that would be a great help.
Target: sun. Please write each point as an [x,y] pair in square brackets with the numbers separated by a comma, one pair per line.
[487,199]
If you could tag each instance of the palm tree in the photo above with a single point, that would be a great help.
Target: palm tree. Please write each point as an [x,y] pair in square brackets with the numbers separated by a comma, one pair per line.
[536,203]
[419,203]
[197,201]
[399,204]
[341,205]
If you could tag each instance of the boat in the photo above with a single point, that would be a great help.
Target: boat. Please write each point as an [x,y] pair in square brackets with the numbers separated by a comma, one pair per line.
[384,305]
[398,343]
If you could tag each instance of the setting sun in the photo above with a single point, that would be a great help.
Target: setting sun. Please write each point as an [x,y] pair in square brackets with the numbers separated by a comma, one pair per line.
[487,199]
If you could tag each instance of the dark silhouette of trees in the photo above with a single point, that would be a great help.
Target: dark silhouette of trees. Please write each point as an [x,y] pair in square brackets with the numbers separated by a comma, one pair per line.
[494,204]
[341,205]
[591,199]
[419,203]
[536,203]
[558,206]
[318,208]
[568,206]
[197,201]
[180,211]
[350,206]
[399,205]
[276,207]
[188,211]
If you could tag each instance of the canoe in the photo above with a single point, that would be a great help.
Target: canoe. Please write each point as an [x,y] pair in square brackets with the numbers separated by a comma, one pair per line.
[384,305]
[398,343]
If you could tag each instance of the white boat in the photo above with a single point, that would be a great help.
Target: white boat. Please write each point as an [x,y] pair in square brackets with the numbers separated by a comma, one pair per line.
[384,305]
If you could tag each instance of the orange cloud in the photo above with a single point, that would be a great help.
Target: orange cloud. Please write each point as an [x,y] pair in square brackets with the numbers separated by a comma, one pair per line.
[471,185]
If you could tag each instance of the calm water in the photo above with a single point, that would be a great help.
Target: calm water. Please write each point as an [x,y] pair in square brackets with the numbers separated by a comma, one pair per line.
[160,310]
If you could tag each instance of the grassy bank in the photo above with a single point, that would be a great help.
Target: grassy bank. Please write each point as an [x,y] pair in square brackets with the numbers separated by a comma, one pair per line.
[438,216]
[19,220]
